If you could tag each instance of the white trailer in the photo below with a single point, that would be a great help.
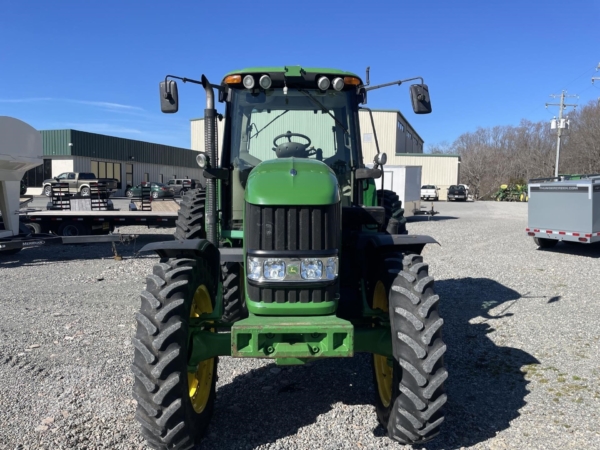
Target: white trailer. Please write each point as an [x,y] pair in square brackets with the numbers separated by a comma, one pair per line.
[405,181]
[564,209]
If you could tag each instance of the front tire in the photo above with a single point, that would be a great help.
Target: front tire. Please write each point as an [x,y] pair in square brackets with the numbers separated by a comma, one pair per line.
[409,386]
[234,298]
[174,405]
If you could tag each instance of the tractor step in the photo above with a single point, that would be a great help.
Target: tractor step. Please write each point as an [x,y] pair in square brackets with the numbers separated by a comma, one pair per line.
[292,338]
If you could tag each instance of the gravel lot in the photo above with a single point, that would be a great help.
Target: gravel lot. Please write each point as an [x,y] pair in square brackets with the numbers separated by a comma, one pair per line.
[521,326]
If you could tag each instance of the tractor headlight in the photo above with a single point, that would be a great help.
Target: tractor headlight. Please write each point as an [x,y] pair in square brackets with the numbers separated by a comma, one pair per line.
[321,267]
[274,269]
[311,269]
[338,84]
[265,82]
[248,81]
[254,268]
[331,268]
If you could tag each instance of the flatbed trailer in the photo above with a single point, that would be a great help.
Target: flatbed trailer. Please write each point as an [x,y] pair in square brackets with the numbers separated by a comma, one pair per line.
[81,223]
[564,209]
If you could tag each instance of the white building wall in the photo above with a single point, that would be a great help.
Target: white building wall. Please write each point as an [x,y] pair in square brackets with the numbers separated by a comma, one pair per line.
[61,166]
[385,125]
[440,170]
[197,134]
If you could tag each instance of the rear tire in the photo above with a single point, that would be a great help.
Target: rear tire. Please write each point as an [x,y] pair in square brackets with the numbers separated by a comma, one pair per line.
[85,191]
[169,414]
[35,228]
[395,222]
[190,219]
[47,190]
[73,229]
[545,243]
[410,398]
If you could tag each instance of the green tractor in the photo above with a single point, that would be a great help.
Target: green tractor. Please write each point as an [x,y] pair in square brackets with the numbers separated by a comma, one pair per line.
[512,192]
[290,254]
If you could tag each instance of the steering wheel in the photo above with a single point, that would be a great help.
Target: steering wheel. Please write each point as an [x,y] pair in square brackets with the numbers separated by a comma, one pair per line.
[291,149]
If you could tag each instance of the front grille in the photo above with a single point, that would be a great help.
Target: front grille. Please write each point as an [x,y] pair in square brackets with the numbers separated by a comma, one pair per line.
[292,227]
[295,228]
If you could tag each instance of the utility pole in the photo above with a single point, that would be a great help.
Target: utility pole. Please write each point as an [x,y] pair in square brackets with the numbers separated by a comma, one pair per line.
[561,125]
[596,78]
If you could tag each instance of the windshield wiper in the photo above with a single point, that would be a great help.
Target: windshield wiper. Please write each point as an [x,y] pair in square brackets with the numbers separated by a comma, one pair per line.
[323,108]
[258,131]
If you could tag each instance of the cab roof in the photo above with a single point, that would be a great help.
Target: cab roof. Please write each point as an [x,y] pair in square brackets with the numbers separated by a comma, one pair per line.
[294,71]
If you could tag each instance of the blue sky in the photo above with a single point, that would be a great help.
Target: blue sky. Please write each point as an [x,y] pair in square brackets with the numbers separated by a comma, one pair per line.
[95,66]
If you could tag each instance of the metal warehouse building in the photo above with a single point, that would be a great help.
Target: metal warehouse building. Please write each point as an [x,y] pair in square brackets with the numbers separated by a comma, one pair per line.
[396,137]
[129,161]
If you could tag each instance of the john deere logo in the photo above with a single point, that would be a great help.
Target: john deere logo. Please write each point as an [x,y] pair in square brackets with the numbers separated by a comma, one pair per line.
[292,270]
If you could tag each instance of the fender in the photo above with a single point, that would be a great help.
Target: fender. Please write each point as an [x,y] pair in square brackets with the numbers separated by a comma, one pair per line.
[404,242]
[195,248]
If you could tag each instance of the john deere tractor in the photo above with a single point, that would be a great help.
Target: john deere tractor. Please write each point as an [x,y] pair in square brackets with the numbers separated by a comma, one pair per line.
[290,254]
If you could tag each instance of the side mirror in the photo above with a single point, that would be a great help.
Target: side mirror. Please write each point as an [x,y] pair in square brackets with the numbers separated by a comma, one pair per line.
[364,173]
[169,99]
[419,95]
[380,159]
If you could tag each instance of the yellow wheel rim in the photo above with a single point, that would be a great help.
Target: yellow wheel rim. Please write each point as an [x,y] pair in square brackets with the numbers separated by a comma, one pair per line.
[384,373]
[200,382]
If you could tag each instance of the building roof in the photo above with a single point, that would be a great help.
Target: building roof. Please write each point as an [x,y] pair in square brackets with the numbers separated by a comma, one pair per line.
[70,142]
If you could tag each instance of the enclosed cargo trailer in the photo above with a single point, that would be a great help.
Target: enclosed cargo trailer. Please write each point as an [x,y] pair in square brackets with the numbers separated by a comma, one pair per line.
[405,181]
[564,209]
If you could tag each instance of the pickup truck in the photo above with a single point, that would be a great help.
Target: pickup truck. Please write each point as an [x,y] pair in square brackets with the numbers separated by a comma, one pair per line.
[459,192]
[79,182]
[429,192]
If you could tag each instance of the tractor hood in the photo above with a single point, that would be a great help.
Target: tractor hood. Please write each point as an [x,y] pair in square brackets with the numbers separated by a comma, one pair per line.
[292,181]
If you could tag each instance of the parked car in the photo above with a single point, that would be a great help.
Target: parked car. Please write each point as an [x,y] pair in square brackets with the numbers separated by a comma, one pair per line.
[180,185]
[79,183]
[458,192]
[157,190]
[430,192]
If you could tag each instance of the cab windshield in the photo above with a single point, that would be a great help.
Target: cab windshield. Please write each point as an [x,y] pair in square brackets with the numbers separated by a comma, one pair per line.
[304,123]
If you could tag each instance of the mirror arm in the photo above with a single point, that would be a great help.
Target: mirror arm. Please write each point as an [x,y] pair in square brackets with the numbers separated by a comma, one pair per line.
[393,83]
[372,126]
[202,82]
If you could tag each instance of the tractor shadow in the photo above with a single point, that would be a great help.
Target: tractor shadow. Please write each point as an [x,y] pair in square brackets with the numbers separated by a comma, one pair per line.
[486,387]
[427,218]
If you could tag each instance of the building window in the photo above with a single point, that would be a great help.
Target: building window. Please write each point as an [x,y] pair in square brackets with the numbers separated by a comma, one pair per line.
[400,126]
[146,177]
[408,135]
[103,169]
[35,177]
[129,175]
[160,178]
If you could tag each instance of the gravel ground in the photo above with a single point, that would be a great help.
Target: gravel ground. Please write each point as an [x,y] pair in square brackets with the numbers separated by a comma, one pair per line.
[521,327]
